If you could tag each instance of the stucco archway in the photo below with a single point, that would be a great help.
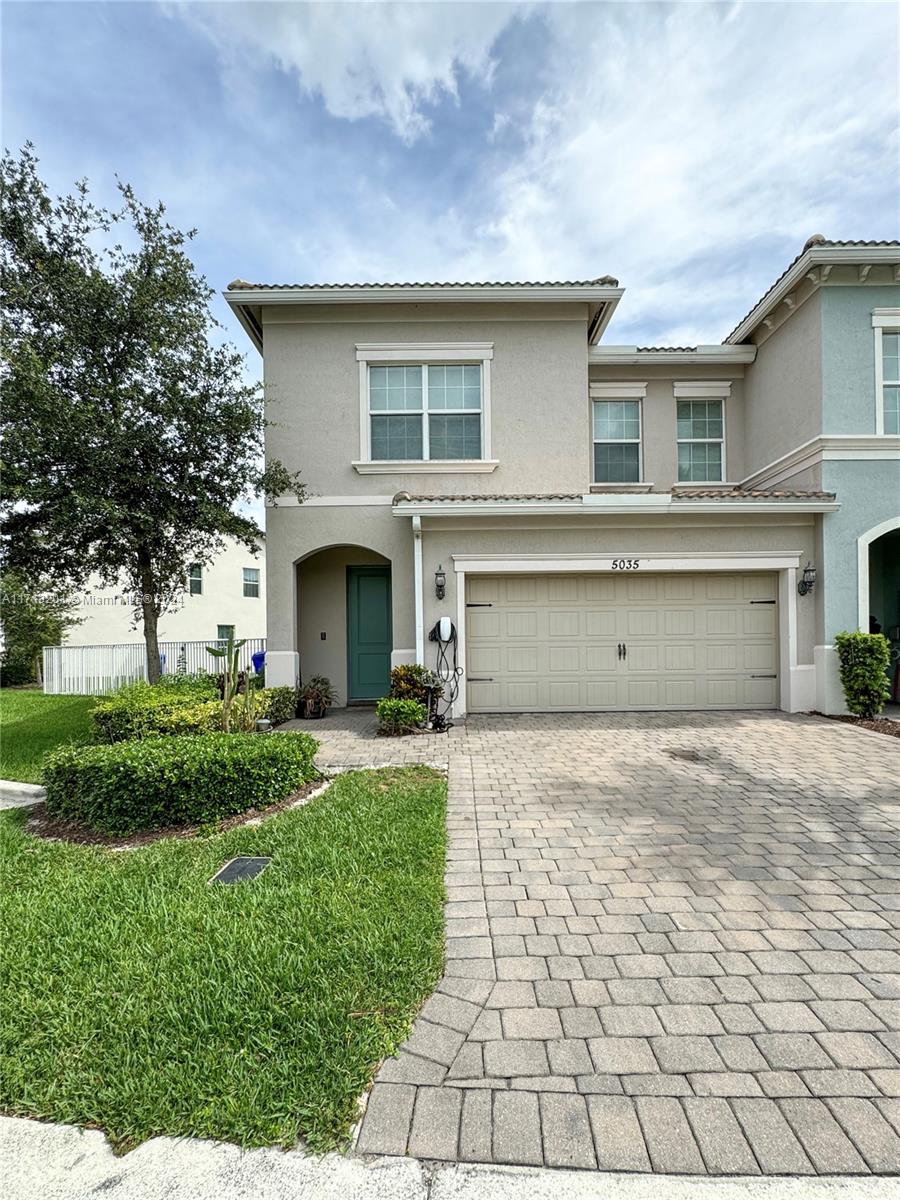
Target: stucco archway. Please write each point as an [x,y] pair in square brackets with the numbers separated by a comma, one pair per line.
[864,543]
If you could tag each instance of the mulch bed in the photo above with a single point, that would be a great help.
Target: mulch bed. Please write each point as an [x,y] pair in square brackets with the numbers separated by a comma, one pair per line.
[876,724]
[55,829]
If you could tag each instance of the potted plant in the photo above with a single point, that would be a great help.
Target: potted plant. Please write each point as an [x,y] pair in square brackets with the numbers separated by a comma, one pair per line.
[315,696]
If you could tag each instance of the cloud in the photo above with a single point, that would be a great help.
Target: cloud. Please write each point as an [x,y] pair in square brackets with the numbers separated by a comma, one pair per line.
[687,149]
[388,61]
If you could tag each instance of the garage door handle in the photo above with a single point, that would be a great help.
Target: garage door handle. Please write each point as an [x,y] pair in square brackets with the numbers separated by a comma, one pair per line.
[763,676]
[762,601]
[481,679]
[483,604]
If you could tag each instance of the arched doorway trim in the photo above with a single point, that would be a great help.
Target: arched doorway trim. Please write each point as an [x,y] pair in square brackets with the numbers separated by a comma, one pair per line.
[863,543]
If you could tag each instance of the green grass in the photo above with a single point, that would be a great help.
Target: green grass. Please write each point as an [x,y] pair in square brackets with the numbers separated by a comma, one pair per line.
[140,1000]
[32,723]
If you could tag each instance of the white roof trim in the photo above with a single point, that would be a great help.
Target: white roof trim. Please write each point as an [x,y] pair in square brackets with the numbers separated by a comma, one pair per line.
[815,256]
[421,293]
[599,505]
[627,356]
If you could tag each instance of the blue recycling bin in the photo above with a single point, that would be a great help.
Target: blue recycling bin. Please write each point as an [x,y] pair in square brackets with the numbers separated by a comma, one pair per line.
[258,659]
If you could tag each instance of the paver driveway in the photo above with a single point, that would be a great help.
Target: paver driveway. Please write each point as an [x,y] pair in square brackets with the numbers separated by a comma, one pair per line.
[672,945]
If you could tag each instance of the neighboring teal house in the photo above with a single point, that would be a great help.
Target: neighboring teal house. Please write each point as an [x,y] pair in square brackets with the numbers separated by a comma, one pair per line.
[827,374]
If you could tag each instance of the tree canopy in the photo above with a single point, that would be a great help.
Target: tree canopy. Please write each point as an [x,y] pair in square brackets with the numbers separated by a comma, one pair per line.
[130,434]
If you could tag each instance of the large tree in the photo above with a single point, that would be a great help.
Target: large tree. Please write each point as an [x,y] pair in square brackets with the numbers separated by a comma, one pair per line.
[131,435]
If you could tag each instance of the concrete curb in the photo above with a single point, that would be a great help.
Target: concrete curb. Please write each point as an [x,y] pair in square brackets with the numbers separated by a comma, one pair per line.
[14,794]
[62,1162]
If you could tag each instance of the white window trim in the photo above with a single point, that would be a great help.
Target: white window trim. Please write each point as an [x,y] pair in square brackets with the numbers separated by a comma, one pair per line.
[245,581]
[595,441]
[421,354]
[719,394]
[882,319]
[195,579]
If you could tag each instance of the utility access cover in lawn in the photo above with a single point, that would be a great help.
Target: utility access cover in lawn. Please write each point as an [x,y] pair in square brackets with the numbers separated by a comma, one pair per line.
[239,869]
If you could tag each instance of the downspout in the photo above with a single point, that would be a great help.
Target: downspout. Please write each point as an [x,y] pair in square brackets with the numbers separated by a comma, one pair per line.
[417,584]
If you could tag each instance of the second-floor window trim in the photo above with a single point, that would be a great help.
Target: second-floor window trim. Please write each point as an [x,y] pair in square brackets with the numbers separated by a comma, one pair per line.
[617,432]
[195,579]
[886,324]
[425,407]
[700,417]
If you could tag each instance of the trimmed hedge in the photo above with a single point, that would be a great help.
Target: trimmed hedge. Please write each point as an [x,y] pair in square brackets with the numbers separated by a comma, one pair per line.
[396,717]
[865,660]
[193,705]
[157,782]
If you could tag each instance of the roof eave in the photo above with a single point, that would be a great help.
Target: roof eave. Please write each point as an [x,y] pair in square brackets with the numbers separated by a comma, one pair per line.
[813,257]
[621,356]
[248,321]
[608,505]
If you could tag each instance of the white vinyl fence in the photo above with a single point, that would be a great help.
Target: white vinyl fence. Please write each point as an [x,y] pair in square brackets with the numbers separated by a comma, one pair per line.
[97,670]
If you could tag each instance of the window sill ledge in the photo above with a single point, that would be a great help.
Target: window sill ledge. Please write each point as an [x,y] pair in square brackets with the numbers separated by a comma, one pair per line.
[433,467]
[628,488]
[704,483]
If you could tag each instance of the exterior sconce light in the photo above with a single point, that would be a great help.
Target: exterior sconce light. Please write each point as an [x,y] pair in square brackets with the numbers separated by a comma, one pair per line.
[808,582]
[440,583]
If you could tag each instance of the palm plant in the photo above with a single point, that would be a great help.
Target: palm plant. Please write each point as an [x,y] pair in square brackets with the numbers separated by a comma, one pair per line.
[230,653]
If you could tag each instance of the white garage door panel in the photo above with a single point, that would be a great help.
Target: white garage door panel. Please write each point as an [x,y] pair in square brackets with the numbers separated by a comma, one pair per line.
[551,641]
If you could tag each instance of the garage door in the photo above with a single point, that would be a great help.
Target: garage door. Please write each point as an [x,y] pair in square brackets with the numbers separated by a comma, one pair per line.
[583,642]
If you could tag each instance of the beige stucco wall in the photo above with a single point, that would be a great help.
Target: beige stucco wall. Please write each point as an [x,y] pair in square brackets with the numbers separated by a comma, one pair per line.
[364,534]
[108,617]
[539,422]
[659,415]
[784,388]
[310,549]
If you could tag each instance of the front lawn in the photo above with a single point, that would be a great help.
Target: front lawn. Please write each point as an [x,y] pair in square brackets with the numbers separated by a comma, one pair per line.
[141,1000]
[32,723]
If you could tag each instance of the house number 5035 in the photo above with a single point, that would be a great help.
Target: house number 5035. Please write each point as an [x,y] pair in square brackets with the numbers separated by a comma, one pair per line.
[626,564]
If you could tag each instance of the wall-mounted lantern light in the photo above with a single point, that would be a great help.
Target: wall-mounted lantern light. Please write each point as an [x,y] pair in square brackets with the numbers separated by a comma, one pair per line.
[440,583]
[808,582]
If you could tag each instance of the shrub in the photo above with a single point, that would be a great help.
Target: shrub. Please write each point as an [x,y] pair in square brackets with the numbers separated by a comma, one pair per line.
[865,659]
[396,717]
[279,704]
[205,717]
[409,682]
[139,710]
[157,782]
[202,686]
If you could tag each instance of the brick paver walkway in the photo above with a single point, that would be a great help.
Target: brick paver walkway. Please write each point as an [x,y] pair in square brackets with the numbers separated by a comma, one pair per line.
[672,945]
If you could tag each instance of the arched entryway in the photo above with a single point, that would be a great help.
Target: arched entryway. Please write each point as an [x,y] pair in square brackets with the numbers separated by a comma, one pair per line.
[879,590]
[344,625]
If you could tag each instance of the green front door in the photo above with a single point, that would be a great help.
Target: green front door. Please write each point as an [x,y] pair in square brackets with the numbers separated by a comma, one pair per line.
[369,639]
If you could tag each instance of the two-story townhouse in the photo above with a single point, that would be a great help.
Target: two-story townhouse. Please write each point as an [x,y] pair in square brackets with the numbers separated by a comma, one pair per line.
[588,517]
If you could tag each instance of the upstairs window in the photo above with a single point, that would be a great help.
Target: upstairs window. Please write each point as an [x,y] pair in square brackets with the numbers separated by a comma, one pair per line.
[195,579]
[428,412]
[886,324]
[251,581]
[617,441]
[890,380]
[701,441]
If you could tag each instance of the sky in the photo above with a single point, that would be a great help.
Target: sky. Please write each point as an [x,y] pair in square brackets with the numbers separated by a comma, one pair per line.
[687,149]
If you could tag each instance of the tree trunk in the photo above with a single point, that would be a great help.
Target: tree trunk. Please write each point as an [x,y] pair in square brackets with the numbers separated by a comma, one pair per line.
[150,612]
